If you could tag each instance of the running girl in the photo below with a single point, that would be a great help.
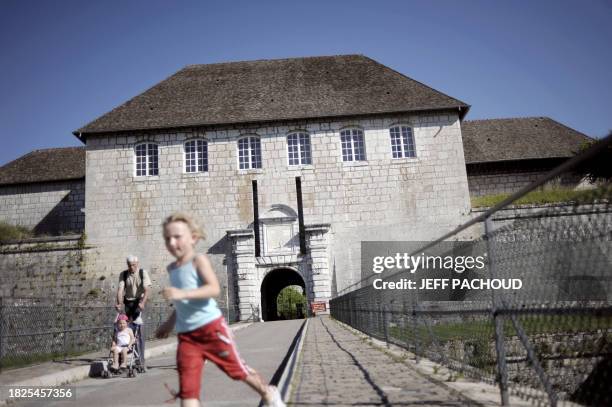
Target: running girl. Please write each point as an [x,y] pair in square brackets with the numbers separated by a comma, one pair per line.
[202,331]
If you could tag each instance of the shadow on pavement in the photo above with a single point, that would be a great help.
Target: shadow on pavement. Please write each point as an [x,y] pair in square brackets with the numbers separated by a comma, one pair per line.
[366,375]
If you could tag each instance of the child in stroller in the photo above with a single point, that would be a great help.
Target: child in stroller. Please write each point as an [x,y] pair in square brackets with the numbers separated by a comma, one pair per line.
[124,346]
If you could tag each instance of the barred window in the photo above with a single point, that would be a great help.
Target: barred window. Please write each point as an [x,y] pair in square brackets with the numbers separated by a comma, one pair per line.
[147,159]
[402,142]
[249,153]
[196,155]
[298,149]
[353,146]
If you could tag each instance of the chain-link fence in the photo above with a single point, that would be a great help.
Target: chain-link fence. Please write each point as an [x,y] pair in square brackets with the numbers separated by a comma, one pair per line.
[34,330]
[231,312]
[536,319]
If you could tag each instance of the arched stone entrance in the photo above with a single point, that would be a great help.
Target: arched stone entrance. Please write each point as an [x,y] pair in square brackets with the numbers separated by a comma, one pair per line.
[279,265]
[272,285]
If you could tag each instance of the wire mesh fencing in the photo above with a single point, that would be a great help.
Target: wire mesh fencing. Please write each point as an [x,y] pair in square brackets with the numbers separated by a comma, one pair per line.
[535,319]
[35,330]
[231,312]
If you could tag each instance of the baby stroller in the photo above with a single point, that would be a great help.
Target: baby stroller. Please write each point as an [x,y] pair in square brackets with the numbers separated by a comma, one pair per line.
[136,361]
[132,363]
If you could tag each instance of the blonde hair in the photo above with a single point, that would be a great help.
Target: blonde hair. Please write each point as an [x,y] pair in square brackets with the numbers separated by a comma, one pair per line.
[187,219]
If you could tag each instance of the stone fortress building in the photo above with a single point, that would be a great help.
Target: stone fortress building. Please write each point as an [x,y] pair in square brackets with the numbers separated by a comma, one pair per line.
[288,164]
[504,155]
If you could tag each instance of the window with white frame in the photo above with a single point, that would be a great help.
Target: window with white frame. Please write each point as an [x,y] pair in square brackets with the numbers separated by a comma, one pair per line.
[353,146]
[298,149]
[249,153]
[147,159]
[196,155]
[402,142]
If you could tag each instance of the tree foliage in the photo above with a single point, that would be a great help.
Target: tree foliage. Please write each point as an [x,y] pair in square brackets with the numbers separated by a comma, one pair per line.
[599,167]
[291,303]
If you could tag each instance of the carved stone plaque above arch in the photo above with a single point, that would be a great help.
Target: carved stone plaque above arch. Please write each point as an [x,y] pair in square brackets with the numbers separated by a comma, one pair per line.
[279,231]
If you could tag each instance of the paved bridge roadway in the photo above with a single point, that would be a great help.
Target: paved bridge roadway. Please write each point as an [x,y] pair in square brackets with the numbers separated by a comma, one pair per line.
[263,346]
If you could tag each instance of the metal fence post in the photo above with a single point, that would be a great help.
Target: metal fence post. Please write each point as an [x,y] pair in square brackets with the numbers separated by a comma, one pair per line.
[498,321]
[1,332]
[535,363]
[362,318]
[159,313]
[415,333]
[404,328]
[380,323]
[385,309]
[347,312]
[348,315]
[65,324]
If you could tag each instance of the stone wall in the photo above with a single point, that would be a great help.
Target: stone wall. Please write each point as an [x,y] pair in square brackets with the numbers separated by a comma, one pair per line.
[380,199]
[48,271]
[47,208]
[567,358]
[509,177]
[48,267]
[500,183]
[562,252]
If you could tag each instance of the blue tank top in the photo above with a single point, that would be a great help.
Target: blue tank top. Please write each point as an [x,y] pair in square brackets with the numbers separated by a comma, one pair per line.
[191,314]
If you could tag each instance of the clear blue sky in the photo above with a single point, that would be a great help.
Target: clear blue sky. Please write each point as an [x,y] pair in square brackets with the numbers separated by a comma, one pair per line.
[64,63]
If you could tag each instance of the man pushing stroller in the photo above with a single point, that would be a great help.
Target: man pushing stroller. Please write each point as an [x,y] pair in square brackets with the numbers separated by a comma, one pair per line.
[132,293]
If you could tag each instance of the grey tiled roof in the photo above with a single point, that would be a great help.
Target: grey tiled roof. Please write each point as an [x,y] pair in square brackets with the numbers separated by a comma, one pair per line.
[271,90]
[518,139]
[53,164]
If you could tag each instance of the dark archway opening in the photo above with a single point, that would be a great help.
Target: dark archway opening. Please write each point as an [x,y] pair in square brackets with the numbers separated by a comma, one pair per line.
[271,287]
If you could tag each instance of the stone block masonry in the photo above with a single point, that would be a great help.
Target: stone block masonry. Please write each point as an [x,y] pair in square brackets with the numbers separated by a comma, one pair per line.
[49,208]
[51,267]
[378,199]
[510,180]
